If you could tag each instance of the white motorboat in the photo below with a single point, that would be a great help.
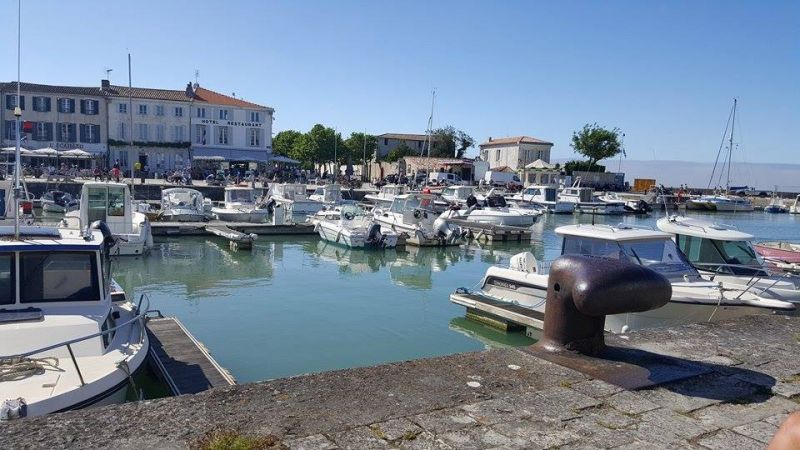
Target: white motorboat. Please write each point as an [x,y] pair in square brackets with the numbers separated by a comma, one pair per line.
[386,195]
[111,203]
[694,299]
[413,214]
[494,210]
[776,205]
[59,202]
[633,203]
[720,202]
[69,337]
[545,197]
[293,197]
[352,226]
[795,208]
[584,201]
[724,254]
[241,205]
[457,195]
[329,195]
[182,205]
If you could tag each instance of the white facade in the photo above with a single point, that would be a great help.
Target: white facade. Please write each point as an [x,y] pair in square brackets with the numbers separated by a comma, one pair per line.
[235,133]
[514,152]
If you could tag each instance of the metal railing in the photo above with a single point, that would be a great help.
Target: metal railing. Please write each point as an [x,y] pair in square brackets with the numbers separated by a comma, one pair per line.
[141,316]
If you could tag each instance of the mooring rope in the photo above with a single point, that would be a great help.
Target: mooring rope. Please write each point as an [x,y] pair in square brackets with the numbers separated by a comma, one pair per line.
[19,368]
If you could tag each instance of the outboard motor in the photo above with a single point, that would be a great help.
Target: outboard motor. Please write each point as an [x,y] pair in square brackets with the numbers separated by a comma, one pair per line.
[471,201]
[108,238]
[374,235]
[644,206]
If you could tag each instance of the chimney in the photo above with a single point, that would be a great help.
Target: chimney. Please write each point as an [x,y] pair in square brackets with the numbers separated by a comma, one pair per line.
[490,139]
[105,84]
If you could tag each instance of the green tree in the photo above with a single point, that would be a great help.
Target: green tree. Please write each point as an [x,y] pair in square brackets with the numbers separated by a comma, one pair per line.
[399,152]
[582,166]
[597,143]
[355,146]
[284,141]
[448,142]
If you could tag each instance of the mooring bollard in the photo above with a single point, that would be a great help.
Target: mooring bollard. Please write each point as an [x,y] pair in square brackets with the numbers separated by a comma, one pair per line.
[582,290]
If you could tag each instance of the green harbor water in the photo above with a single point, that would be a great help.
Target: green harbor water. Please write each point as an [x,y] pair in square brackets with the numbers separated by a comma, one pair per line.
[296,304]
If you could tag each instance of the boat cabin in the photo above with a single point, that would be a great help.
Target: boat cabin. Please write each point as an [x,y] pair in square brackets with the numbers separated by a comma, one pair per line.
[290,191]
[105,201]
[540,193]
[653,249]
[330,193]
[181,198]
[411,202]
[240,196]
[457,193]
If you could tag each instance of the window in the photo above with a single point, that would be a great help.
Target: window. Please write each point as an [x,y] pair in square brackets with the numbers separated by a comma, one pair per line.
[41,104]
[11,101]
[7,282]
[255,116]
[142,110]
[179,111]
[123,108]
[177,133]
[90,107]
[121,131]
[142,132]
[90,134]
[254,137]
[66,105]
[222,135]
[11,130]
[58,277]
[67,133]
[159,133]
[731,257]
[159,110]
[201,113]
[43,131]
[200,134]
[223,114]
[107,202]
[385,141]
[497,155]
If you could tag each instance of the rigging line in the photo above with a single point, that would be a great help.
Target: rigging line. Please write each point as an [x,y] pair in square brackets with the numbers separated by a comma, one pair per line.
[721,144]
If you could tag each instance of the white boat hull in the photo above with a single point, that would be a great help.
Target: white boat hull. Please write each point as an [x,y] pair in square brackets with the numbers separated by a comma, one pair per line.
[304,207]
[600,208]
[511,220]
[233,215]
[183,217]
[352,238]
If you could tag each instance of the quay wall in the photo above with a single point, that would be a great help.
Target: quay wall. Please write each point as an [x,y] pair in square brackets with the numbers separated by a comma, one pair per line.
[745,382]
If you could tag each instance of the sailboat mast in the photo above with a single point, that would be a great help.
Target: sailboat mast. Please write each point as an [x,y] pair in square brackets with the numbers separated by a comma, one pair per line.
[430,123]
[130,118]
[17,114]
[730,148]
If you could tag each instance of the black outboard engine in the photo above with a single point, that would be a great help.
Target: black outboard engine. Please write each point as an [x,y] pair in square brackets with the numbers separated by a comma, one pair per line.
[108,238]
[471,201]
[374,235]
[644,206]
[495,201]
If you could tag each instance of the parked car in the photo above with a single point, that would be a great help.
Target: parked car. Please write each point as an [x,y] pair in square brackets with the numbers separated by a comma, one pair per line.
[444,178]
[495,178]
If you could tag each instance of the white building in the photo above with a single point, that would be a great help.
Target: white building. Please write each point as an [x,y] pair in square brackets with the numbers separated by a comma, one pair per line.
[514,152]
[59,117]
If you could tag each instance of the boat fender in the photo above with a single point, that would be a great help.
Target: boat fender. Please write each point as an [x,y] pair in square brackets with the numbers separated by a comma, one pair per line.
[108,237]
[13,409]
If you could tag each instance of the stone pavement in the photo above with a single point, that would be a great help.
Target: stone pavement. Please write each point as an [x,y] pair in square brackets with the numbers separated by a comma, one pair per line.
[494,399]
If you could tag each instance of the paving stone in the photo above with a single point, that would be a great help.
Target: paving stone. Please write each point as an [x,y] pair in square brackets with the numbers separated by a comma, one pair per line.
[595,388]
[760,431]
[537,434]
[494,411]
[777,419]
[729,415]
[545,407]
[630,403]
[423,441]
[610,418]
[395,429]
[696,393]
[669,427]
[595,435]
[786,390]
[444,420]
[479,438]
[313,442]
[727,439]
[361,438]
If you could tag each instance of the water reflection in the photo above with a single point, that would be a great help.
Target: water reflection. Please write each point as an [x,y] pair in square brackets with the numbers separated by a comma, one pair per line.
[488,336]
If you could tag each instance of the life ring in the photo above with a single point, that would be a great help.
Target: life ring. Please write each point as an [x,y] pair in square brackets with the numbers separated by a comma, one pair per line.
[417,214]
[349,216]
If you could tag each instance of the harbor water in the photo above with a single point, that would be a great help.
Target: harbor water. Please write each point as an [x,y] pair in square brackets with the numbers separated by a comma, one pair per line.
[296,304]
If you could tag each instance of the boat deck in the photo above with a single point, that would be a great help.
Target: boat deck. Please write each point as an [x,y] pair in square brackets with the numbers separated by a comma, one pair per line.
[487,232]
[202,228]
[182,360]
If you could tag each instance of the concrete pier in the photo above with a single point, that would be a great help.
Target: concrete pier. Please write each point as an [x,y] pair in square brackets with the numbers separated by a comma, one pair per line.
[746,381]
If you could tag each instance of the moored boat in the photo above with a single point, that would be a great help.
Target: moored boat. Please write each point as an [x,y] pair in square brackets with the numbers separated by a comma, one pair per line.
[241,205]
[545,197]
[351,226]
[182,205]
[294,198]
[58,202]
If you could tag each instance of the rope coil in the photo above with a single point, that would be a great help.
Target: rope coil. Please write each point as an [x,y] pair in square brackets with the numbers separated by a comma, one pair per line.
[19,368]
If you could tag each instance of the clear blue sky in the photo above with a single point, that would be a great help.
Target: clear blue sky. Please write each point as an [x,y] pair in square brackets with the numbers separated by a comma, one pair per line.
[665,73]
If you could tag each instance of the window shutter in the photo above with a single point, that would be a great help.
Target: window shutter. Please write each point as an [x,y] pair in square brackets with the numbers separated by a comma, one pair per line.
[47,105]
[96,105]
[22,102]
[83,106]
[96,134]
[9,105]
[82,130]
[48,131]
[72,106]
[72,133]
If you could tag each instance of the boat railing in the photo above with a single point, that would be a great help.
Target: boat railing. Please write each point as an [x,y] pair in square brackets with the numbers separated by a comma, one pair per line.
[141,316]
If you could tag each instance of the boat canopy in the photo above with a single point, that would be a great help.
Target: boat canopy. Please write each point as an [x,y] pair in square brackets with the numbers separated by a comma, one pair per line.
[701,228]
[619,232]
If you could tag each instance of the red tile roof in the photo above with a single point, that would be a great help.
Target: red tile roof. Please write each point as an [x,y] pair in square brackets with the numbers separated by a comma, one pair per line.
[514,140]
[209,96]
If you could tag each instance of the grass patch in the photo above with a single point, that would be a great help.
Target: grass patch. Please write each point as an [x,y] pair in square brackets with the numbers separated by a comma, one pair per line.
[792,379]
[565,383]
[227,439]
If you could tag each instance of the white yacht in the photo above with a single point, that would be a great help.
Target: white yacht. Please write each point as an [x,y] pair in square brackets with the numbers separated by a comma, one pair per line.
[386,195]
[720,202]
[585,202]
[58,202]
[294,198]
[795,208]
[545,197]
[69,337]
[413,214]
[633,203]
[724,254]
[241,205]
[694,299]
[182,205]
[457,195]
[494,210]
[352,226]
[329,194]
[111,203]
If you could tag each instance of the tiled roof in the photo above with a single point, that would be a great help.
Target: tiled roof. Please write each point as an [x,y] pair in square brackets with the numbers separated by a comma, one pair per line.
[208,96]
[423,161]
[49,89]
[514,140]
[404,137]
[152,94]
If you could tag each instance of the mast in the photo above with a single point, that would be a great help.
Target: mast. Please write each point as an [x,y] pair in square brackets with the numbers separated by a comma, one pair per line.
[430,123]
[730,149]
[17,114]
[130,119]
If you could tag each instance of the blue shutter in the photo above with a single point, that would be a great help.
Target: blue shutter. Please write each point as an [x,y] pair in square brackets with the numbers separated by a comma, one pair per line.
[96,105]
[83,131]
[96,129]
[72,105]
[22,102]
[9,102]
[47,106]
[83,106]
[72,133]
[48,131]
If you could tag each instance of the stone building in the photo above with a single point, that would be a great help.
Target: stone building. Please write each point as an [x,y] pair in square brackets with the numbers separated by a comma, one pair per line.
[514,152]
[389,141]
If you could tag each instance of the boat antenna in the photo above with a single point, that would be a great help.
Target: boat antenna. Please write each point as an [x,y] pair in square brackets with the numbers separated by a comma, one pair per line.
[17,115]
[130,118]
[730,149]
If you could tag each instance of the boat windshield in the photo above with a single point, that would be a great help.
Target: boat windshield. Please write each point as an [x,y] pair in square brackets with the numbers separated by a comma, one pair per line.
[661,255]
[58,277]
[240,196]
[731,257]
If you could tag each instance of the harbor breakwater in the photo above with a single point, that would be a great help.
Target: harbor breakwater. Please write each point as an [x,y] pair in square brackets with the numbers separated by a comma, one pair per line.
[740,379]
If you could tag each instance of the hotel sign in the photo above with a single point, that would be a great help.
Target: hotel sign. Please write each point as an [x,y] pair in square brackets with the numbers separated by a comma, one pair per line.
[230,123]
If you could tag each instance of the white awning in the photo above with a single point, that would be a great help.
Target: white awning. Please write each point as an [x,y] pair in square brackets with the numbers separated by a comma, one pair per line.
[540,164]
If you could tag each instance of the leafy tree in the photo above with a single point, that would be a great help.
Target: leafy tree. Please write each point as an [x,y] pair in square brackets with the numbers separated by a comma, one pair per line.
[448,142]
[597,143]
[355,146]
[400,152]
[283,142]
[582,166]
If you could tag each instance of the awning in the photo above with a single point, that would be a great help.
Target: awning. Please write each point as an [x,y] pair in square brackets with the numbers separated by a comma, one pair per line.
[75,153]
[282,159]
[45,152]
[13,150]
[231,154]
[540,164]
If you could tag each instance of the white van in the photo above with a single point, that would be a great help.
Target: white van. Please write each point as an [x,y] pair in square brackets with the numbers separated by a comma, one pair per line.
[444,178]
[495,178]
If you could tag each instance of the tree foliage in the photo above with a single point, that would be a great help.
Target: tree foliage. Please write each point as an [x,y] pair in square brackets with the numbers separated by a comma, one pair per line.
[400,152]
[283,142]
[582,166]
[355,147]
[596,143]
[448,142]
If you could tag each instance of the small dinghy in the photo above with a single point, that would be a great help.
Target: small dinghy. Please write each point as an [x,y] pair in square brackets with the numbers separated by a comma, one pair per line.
[182,205]
[59,202]
[781,254]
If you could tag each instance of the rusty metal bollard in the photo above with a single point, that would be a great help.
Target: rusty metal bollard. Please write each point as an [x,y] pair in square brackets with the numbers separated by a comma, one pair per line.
[582,290]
